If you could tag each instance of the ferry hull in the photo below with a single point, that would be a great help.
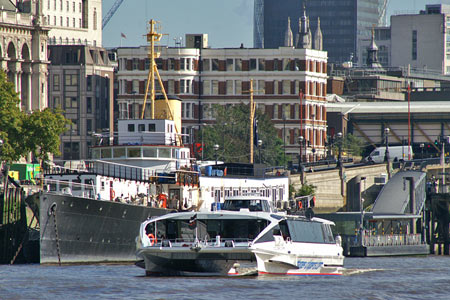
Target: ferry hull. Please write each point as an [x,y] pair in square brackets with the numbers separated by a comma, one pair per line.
[218,261]
[83,230]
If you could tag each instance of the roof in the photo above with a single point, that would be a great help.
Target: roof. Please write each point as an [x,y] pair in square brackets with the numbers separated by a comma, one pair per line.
[390,107]
[394,198]
[7,5]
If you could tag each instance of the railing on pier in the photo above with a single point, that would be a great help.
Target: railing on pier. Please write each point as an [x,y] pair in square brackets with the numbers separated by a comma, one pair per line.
[387,240]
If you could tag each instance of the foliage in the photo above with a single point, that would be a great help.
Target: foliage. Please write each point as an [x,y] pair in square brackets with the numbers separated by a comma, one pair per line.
[43,130]
[350,144]
[305,190]
[23,133]
[232,133]
[353,144]
[11,119]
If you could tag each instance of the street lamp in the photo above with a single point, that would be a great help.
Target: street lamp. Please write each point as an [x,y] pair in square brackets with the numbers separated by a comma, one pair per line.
[301,140]
[201,128]
[386,136]
[216,148]
[339,160]
[313,116]
[422,145]
[259,149]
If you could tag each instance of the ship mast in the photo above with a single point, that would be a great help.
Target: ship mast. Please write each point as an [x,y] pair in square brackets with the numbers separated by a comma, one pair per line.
[153,37]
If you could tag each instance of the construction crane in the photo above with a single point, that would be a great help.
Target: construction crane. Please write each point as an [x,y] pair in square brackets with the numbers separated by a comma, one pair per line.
[111,13]
[382,12]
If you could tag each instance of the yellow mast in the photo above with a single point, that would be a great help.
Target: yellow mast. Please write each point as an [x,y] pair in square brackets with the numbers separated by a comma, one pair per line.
[252,118]
[152,37]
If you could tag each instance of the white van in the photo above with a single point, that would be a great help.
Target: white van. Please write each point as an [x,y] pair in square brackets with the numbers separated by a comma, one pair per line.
[396,153]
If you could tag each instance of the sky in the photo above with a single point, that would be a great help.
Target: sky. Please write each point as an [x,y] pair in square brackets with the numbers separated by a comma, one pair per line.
[228,23]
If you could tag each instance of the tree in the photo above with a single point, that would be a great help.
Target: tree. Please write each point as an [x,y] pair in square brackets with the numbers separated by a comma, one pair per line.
[11,120]
[24,133]
[43,130]
[232,133]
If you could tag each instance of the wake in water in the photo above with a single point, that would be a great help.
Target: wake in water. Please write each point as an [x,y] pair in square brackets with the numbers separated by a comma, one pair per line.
[349,272]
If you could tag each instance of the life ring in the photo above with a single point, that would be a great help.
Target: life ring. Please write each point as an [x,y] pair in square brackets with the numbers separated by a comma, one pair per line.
[112,194]
[300,204]
[153,239]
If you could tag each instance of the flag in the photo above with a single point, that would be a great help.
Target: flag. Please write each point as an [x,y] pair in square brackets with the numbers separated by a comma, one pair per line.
[193,222]
[123,35]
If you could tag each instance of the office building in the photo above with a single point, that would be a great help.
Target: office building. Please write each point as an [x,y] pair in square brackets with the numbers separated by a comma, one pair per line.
[345,24]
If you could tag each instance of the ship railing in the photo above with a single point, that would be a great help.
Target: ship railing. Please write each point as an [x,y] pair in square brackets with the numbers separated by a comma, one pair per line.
[70,188]
[388,240]
[204,243]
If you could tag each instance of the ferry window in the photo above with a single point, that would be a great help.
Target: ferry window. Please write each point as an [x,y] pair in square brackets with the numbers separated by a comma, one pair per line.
[134,152]
[305,231]
[328,234]
[164,152]
[141,127]
[118,152]
[102,186]
[106,153]
[149,152]
[151,127]
[130,127]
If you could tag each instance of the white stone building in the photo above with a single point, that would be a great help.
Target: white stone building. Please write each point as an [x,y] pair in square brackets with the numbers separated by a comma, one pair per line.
[23,52]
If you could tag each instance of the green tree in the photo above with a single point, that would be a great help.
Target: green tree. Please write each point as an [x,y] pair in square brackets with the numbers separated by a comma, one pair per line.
[11,120]
[43,130]
[24,133]
[353,144]
[232,133]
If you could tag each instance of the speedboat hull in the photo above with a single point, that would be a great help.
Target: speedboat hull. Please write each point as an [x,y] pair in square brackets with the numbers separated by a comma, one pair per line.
[296,259]
[194,260]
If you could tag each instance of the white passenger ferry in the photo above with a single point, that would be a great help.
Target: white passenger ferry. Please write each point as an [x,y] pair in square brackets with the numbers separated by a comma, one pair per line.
[243,231]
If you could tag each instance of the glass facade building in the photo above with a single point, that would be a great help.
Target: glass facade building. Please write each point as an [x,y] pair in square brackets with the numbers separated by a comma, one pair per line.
[345,24]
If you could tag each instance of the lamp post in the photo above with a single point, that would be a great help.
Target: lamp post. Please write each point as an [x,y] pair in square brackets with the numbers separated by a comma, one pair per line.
[313,116]
[301,140]
[201,128]
[339,160]
[386,154]
[216,148]
[386,136]
[422,145]
[259,149]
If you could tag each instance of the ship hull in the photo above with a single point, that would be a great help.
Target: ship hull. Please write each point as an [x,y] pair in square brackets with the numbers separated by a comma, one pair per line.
[82,230]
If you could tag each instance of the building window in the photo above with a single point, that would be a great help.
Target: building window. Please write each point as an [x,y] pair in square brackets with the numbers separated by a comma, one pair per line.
[56,102]
[171,86]
[73,6]
[238,64]
[230,64]
[229,84]
[61,21]
[183,64]
[206,65]
[207,87]
[187,110]
[130,127]
[215,87]
[61,5]
[252,64]
[70,80]
[79,7]
[89,126]
[414,45]
[89,105]
[261,64]
[56,82]
[215,64]
[135,63]
[70,102]
[237,87]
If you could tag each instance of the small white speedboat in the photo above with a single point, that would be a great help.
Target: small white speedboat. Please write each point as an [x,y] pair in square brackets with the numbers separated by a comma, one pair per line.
[298,246]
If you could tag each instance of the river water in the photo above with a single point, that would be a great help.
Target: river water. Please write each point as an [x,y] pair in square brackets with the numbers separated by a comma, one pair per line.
[367,278]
